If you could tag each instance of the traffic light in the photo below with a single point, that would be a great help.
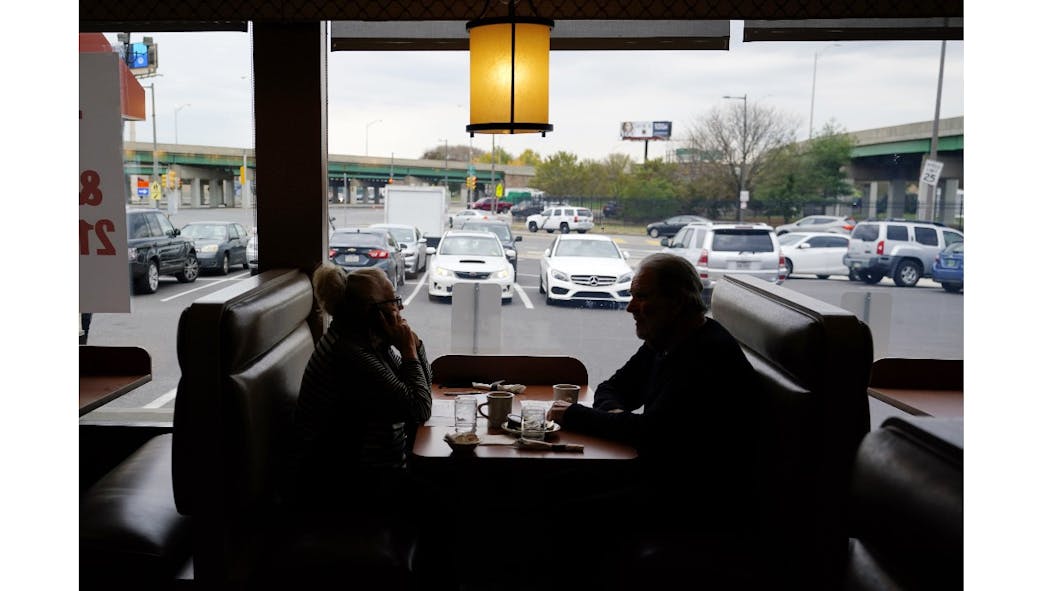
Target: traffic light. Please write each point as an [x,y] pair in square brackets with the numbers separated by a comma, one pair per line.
[472,182]
[242,176]
[170,181]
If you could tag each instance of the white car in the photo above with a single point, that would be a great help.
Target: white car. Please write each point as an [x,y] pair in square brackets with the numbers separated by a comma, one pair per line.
[457,220]
[413,244]
[818,253]
[585,268]
[563,218]
[473,257]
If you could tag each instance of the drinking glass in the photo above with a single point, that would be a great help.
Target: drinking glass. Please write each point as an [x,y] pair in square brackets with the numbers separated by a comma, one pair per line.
[533,419]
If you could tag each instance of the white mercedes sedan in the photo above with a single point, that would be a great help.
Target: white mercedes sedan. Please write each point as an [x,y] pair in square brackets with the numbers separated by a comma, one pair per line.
[588,268]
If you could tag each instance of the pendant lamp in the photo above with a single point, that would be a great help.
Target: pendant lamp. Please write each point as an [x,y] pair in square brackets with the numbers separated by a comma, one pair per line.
[509,73]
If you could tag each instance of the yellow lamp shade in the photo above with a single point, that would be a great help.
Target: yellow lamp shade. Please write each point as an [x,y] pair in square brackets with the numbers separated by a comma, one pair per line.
[509,75]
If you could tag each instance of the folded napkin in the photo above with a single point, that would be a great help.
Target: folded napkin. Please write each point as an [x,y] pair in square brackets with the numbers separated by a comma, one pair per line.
[545,446]
[499,385]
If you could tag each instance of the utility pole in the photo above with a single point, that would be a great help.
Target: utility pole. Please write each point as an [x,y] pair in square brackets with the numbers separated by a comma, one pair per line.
[930,199]
[743,162]
[153,107]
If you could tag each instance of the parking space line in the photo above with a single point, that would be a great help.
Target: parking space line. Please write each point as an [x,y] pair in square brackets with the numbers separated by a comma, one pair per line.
[524,298]
[419,285]
[241,276]
[162,399]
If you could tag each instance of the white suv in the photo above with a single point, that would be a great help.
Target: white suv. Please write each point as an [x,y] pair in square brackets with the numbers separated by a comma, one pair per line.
[719,248]
[899,249]
[564,218]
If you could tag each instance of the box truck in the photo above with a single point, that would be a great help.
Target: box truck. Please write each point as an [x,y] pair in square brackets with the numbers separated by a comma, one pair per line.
[423,207]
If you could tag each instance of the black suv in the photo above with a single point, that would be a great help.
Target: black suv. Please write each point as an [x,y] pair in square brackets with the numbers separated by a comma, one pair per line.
[524,209]
[155,248]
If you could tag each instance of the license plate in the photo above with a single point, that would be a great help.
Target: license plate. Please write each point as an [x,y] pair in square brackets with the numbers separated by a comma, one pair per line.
[742,265]
[350,259]
[950,264]
[856,265]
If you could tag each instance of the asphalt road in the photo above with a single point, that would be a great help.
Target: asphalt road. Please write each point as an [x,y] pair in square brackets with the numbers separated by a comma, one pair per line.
[925,320]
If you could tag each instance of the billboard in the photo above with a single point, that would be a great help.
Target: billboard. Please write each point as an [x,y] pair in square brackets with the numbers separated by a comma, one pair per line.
[645,130]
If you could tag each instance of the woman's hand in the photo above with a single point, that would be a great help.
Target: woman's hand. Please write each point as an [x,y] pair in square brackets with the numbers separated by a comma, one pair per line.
[557,411]
[401,335]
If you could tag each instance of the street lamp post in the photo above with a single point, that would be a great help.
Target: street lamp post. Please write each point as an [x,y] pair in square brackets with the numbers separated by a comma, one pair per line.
[743,158]
[177,109]
[366,133]
[446,162]
[813,91]
[153,108]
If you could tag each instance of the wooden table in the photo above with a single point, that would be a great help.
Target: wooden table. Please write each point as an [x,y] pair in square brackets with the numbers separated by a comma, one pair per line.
[922,387]
[107,373]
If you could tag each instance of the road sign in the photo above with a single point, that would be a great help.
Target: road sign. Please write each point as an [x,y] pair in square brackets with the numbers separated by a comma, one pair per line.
[499,190]
[154,190]
[931,172]
[745,196]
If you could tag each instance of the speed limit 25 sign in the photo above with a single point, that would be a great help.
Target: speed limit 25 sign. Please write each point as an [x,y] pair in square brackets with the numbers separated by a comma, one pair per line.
[931,172]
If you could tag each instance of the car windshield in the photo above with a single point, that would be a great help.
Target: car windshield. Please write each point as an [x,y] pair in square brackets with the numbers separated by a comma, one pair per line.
[587,248]
[205,231]
[789,239]
[737,240]
[403,234]
[355,239]
[467,245]
[500,230]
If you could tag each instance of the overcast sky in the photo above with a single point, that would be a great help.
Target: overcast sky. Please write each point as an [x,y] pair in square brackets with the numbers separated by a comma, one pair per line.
[421,99]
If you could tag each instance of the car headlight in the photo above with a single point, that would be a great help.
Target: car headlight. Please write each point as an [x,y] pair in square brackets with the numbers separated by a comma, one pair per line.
[559,275]
[442,272]
[209,248]
[133,254]
[502,274]
[625,278]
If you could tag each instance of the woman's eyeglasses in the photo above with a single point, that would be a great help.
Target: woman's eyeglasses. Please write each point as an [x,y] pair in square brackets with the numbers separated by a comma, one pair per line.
[396,301]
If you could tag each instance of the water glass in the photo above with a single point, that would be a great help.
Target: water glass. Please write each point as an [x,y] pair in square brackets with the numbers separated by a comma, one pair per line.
[533,419]
[466,414]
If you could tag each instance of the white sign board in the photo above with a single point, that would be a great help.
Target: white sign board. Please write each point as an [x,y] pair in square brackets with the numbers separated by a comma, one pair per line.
[931,172]
[104,285]
[477,322]
[745,196]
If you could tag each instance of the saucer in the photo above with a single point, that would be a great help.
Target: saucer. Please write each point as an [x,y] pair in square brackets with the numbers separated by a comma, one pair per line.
[552,427]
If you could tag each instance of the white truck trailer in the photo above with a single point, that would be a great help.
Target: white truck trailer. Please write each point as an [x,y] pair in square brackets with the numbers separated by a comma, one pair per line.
[423,207]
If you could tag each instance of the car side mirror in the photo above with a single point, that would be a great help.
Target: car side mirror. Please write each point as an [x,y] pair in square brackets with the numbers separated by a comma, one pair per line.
[175,232]
[402,245]
[664,242]
[804,245]
[547,252]
[517,239]
[431,250]
[626,254]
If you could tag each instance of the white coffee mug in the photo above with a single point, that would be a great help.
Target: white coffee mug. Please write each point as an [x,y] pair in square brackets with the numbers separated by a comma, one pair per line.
[567,392]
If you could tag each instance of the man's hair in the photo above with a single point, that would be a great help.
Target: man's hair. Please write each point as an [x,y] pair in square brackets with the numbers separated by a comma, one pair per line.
[340,293]
[675,275]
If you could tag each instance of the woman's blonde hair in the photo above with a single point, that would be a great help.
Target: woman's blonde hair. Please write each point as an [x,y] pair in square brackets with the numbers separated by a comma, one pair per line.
[340,293]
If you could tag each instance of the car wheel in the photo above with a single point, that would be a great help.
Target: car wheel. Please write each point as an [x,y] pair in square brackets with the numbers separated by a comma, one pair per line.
[581,231]
[654,233]
[190,271]
[564,228]
[872,278]
[150,281]
[907,274]
[952,287]
[823,276]
[245,265]
[550,231]
[402,276]
[789,266]
[225,268]
[854,276]
[542,289]
[532,227]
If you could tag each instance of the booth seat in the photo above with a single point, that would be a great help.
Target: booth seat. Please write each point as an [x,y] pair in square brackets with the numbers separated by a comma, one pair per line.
[906,507]
[242,352]
[813,361]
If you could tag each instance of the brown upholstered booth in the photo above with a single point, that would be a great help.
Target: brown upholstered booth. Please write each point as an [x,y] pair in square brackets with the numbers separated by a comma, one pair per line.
[242,352]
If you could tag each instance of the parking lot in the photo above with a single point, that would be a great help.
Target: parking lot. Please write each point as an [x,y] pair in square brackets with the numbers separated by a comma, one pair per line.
[925,321]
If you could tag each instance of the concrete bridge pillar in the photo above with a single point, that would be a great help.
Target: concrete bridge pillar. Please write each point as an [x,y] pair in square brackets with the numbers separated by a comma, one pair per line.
[871,204]
[196,192]
[949,202]
[895,199]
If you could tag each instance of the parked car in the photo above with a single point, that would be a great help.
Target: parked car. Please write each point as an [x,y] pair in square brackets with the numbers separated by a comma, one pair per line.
[717,248]
[524,209]
[506,236]
[671,225]
[564,218]
[816,253]
[475,257]
[485,204]
[820,223]
[611,209]
[358,248]
[413,245]
[903,250]
[587,268]
[948,267]
[456,220]
[155,248]
[220,245]
[253,254]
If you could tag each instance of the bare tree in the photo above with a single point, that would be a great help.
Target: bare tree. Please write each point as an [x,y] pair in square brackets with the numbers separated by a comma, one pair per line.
[734,143]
